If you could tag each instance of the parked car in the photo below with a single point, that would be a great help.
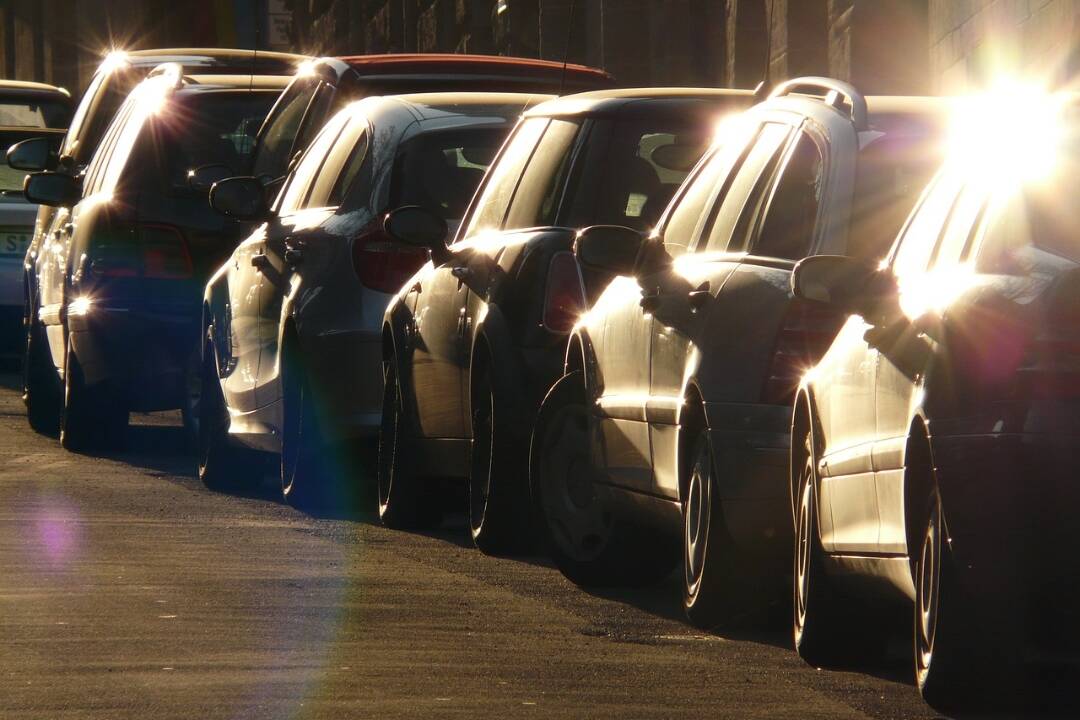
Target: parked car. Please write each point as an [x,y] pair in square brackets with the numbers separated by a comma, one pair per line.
[933,455]
[292,321]
[476,338]
[119,285]
[668,434]
[118,73]
[325,86]
[27,110]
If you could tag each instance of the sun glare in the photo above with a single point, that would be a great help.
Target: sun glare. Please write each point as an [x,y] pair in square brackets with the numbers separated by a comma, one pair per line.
[1011,134]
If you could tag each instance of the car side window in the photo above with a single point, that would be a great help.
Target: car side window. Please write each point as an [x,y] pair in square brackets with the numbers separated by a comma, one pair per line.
[352,168]
[920,237]
[272,154]
[791,215]
[294,196]
[536,199]
[685,219]
[955,243]
[490,207]
[95,171]
[724,233]
[351,141]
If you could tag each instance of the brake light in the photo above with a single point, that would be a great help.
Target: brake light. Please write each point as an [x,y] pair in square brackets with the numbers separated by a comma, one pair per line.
[382,263]
[806,334]
[165,254]
[564,297]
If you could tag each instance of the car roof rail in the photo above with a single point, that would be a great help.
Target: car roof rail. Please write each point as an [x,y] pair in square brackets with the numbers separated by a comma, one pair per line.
[171,70]
[835,94]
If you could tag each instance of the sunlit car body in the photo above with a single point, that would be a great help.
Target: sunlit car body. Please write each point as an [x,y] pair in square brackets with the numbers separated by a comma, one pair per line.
[325,86]
[113,80]
[475,339]
[27,110]
[681,376]
[292,321]
[119,284]
[934,448]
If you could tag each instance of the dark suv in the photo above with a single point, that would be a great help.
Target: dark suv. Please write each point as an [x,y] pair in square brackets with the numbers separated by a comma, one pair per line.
[120,283]
[472,342]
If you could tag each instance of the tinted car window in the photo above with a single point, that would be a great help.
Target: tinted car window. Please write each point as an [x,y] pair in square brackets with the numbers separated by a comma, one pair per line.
[686,215]
[726,213]
[788,227]
[922,233]
[962,222]
[441,170]
[1042,219]
[295,194]
[354,160]
[83,139]
[272,155]
[490,208]
[631,169]
[34,113]
[536,200]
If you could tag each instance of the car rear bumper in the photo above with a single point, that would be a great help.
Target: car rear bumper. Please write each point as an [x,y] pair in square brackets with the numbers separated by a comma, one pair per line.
[751,445]
[143,355]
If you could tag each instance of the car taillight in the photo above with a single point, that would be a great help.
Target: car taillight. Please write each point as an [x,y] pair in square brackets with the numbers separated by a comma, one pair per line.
[807,332]
[154,251]
[564,297]
[381,263]
[165,254]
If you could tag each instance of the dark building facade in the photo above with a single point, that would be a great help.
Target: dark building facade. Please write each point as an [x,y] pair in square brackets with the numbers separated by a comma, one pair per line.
[883,46]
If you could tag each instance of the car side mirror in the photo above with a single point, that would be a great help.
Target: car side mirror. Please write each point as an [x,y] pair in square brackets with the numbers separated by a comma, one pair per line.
[419,227]
[609,248]
[241,198]
[848,284]
[33,155]
[52,189]
[202,178]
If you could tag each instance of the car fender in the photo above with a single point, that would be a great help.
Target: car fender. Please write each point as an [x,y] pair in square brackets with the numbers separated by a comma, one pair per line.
[493,331]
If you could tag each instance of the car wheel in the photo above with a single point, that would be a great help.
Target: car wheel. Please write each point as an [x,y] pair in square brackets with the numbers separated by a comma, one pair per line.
[499,515]
[403,504]
[93,417]
[714,585]
[830,628]
[955,664]
[190,412]
[304,477]
[41,388]
[588,540]
[221,466]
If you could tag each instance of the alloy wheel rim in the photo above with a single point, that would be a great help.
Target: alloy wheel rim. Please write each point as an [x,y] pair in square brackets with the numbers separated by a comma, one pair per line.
[697,518]
[929,592]
[578,521]
[802,548]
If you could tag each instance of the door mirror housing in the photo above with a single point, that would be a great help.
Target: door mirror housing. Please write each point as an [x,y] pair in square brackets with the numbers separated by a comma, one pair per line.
[609,248]
[846,283]
[419,227]
[241,198]
[52,189]
[202,178]
[33,155]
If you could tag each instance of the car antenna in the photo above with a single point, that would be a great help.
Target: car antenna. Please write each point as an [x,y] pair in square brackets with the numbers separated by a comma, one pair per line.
[566,48]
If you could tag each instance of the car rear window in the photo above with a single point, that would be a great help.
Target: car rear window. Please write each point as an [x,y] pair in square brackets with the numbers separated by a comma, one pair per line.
[36,113]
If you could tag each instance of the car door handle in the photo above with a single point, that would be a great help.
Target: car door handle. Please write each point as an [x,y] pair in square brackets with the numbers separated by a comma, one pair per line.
[700,296]
[67,229]
[260,261]
[649,303]
[294,256]
[417,287]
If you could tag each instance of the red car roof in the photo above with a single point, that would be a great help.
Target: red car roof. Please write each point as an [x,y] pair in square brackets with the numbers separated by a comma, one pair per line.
[488,64]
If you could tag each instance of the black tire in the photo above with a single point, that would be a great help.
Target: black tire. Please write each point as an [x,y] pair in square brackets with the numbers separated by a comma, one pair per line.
[306,480]
[404,503]
[830,628]
[93,417]
[958,662]
[41,387]
[716,586]
[220,465]
[591,544]
[499,507]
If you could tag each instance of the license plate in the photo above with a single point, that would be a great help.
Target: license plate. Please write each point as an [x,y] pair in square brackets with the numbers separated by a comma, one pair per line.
[14,244]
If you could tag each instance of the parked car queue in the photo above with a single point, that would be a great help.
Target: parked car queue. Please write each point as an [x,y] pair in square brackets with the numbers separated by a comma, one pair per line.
[658,328]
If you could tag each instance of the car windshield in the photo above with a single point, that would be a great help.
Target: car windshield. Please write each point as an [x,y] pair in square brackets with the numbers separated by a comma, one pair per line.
[211,128]
[441,170]
[34,113]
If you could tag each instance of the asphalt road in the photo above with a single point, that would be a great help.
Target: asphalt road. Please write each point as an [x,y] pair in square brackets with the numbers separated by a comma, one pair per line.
[127,590]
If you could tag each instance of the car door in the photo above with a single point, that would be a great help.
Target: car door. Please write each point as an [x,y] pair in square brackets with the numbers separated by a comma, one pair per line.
[438,355]
[906,352]
[278,257]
